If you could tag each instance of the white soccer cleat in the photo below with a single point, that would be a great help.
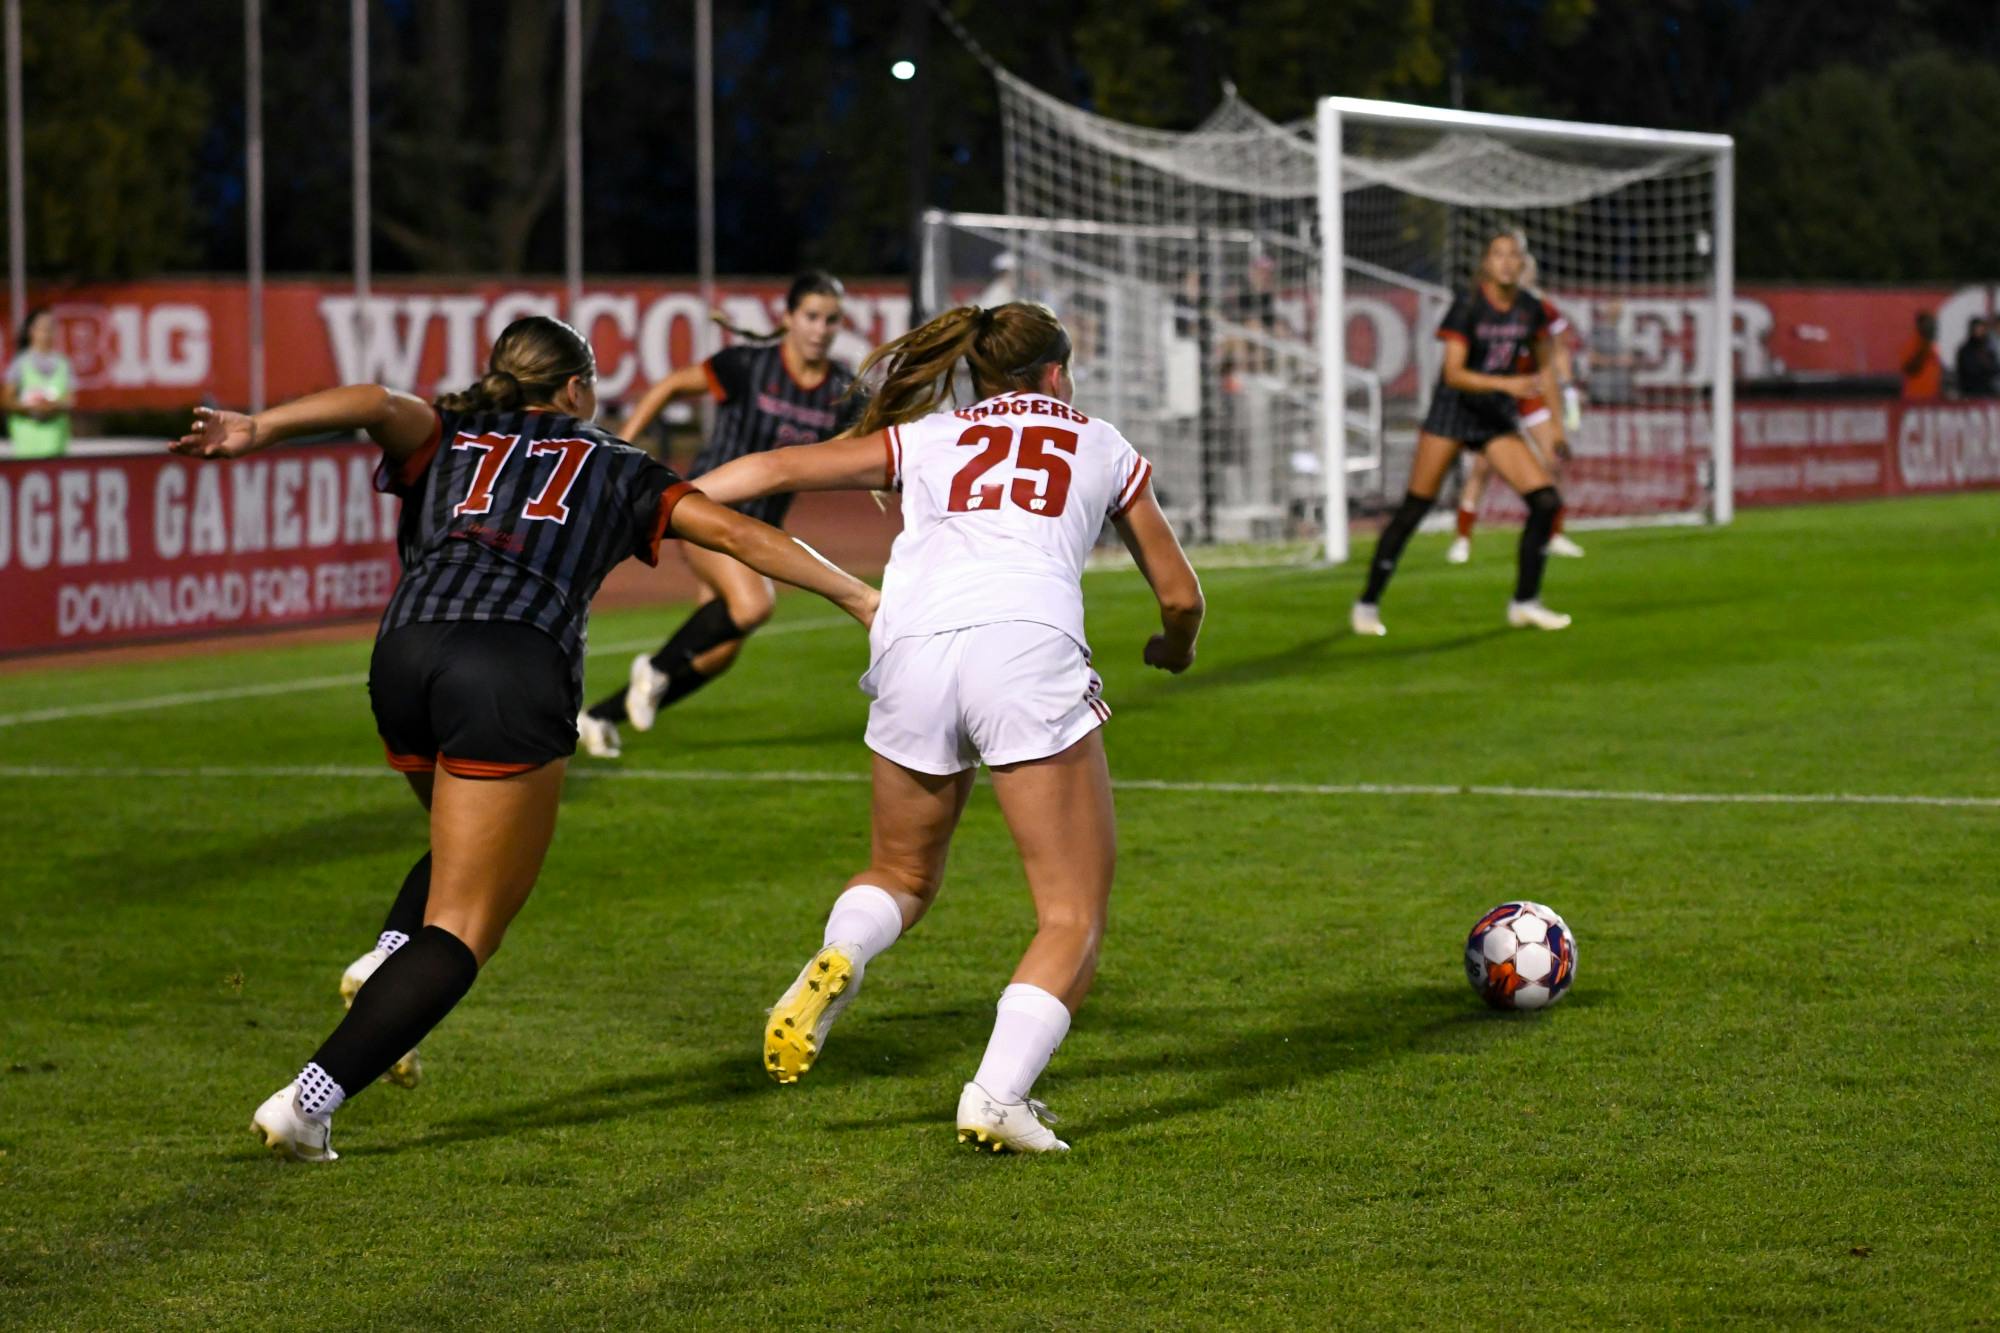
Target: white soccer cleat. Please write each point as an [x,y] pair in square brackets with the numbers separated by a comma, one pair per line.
[290,1132]
[1533,615]
[408,1071]
[1563,546]
[1366,619]
[1005,1126]
[1459,551]
[646,686]
[598,736]
[795,1032]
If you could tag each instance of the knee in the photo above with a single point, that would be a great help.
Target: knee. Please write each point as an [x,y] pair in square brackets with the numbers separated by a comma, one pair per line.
[1543,502]
[749,609]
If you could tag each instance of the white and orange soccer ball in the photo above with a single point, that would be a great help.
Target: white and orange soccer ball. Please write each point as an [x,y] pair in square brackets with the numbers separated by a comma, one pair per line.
[1520,956]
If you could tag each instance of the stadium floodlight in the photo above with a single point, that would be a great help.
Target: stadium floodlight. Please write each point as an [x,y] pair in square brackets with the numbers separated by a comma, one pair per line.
[903,70]
[1200,270]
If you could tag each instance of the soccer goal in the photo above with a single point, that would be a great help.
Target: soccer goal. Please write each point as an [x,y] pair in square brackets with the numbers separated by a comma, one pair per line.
[1199,270]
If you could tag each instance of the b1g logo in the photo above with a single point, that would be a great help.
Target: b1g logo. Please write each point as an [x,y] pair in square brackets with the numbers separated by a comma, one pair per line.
[135,346]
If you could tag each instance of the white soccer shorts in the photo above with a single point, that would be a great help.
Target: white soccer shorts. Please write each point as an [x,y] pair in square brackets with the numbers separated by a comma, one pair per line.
[996,694]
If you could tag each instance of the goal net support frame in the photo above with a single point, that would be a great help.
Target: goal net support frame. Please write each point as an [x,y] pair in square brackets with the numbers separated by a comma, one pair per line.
[1335,117]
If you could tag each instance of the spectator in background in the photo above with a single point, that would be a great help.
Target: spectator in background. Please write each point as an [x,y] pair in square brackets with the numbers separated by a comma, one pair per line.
[1978,368]
[1922,367]
[40,390]
[1607,376]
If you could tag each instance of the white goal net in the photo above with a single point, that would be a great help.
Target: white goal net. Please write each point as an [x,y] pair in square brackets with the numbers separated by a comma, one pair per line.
[1195,272]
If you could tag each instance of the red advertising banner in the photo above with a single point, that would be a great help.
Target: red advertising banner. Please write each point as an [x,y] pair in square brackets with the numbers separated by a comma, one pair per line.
[111,550]
[166,344]
[1798,453]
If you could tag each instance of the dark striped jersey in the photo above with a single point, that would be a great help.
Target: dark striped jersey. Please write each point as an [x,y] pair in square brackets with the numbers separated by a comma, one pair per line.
[518,516]
[1497,339]
[765,407]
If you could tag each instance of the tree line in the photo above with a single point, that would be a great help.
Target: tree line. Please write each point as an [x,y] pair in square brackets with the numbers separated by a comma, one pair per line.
[1868,133]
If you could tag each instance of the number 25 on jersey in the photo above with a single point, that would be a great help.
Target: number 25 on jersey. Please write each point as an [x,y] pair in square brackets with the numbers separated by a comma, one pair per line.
[1042,475]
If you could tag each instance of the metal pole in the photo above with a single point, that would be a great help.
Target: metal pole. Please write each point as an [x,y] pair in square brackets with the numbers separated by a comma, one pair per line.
[17,207]
[253,188]
[704,185]
[358,115]
[1332,332]
[1722,397]
[573,153]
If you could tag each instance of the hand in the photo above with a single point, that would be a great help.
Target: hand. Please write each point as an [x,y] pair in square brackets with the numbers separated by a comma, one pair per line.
[1521,386]
[1160,654]
[1562,451]
[217,434]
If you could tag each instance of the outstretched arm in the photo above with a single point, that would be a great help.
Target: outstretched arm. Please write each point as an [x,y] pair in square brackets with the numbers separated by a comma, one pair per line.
[857,464]
[687,382]
[399,422]
[1150,538]
[698,519]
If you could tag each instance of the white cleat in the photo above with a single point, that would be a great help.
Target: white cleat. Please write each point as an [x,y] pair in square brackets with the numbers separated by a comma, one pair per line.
[1005,1126]
[599,737]
[795,1031]
[1533,615]
[290,1132]
[408,1071]
[1366,619]
[646,686]
[1459,551]
[1563,546]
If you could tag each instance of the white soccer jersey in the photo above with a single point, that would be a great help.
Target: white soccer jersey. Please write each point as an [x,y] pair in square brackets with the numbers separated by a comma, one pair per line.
[1002,502]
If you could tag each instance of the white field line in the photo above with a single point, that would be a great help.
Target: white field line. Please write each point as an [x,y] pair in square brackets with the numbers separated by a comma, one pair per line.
[158,701]
[804,776]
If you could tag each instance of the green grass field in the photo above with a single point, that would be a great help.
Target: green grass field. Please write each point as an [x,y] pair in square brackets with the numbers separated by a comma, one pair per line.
[1773,1097]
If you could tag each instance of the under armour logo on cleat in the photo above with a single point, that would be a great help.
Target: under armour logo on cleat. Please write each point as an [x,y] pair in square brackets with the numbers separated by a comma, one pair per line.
[999,1116]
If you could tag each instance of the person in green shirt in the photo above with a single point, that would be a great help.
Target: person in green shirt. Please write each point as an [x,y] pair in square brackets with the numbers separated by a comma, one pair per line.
[40,390]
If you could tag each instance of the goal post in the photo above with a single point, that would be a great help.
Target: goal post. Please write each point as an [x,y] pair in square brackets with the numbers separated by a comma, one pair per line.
[1255,303]
[1633,235]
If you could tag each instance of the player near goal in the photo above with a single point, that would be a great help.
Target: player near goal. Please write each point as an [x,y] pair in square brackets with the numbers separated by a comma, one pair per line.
[777,391]
[1546,432]
[1486,332]
[514,508]
[978,656]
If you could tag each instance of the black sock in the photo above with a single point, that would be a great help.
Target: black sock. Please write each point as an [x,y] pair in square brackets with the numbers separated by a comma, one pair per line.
[406,914]
[408,996]
[709,627]
[611,708]
[1389,546]
[1543,505]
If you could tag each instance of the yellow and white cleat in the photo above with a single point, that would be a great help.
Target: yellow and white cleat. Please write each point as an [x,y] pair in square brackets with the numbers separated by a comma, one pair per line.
[1533,615]
[408,1071]
[1005,1126]
[796,1030]
[290,1132]
[1366,620]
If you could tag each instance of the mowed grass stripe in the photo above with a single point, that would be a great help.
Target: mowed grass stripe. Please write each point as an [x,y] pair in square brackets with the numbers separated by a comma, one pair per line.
[29,772]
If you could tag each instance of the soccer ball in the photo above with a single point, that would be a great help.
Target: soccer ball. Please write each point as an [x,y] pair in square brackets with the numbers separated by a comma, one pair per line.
[1520,956]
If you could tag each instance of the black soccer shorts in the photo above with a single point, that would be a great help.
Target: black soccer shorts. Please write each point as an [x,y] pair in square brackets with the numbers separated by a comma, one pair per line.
[482,698]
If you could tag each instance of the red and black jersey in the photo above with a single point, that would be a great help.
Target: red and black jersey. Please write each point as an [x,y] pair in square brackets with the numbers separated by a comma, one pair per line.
[1496,338]
[765,407]
[518,516]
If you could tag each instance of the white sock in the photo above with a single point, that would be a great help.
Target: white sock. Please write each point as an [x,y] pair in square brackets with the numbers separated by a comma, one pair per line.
[866,920]
[391,940]
[1032,1023]
[318,1094]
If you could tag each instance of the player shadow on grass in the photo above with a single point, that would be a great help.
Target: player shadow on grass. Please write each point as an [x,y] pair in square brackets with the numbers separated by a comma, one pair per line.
[1313,654]
[178,865]
[1347,1031]
[715,1083]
